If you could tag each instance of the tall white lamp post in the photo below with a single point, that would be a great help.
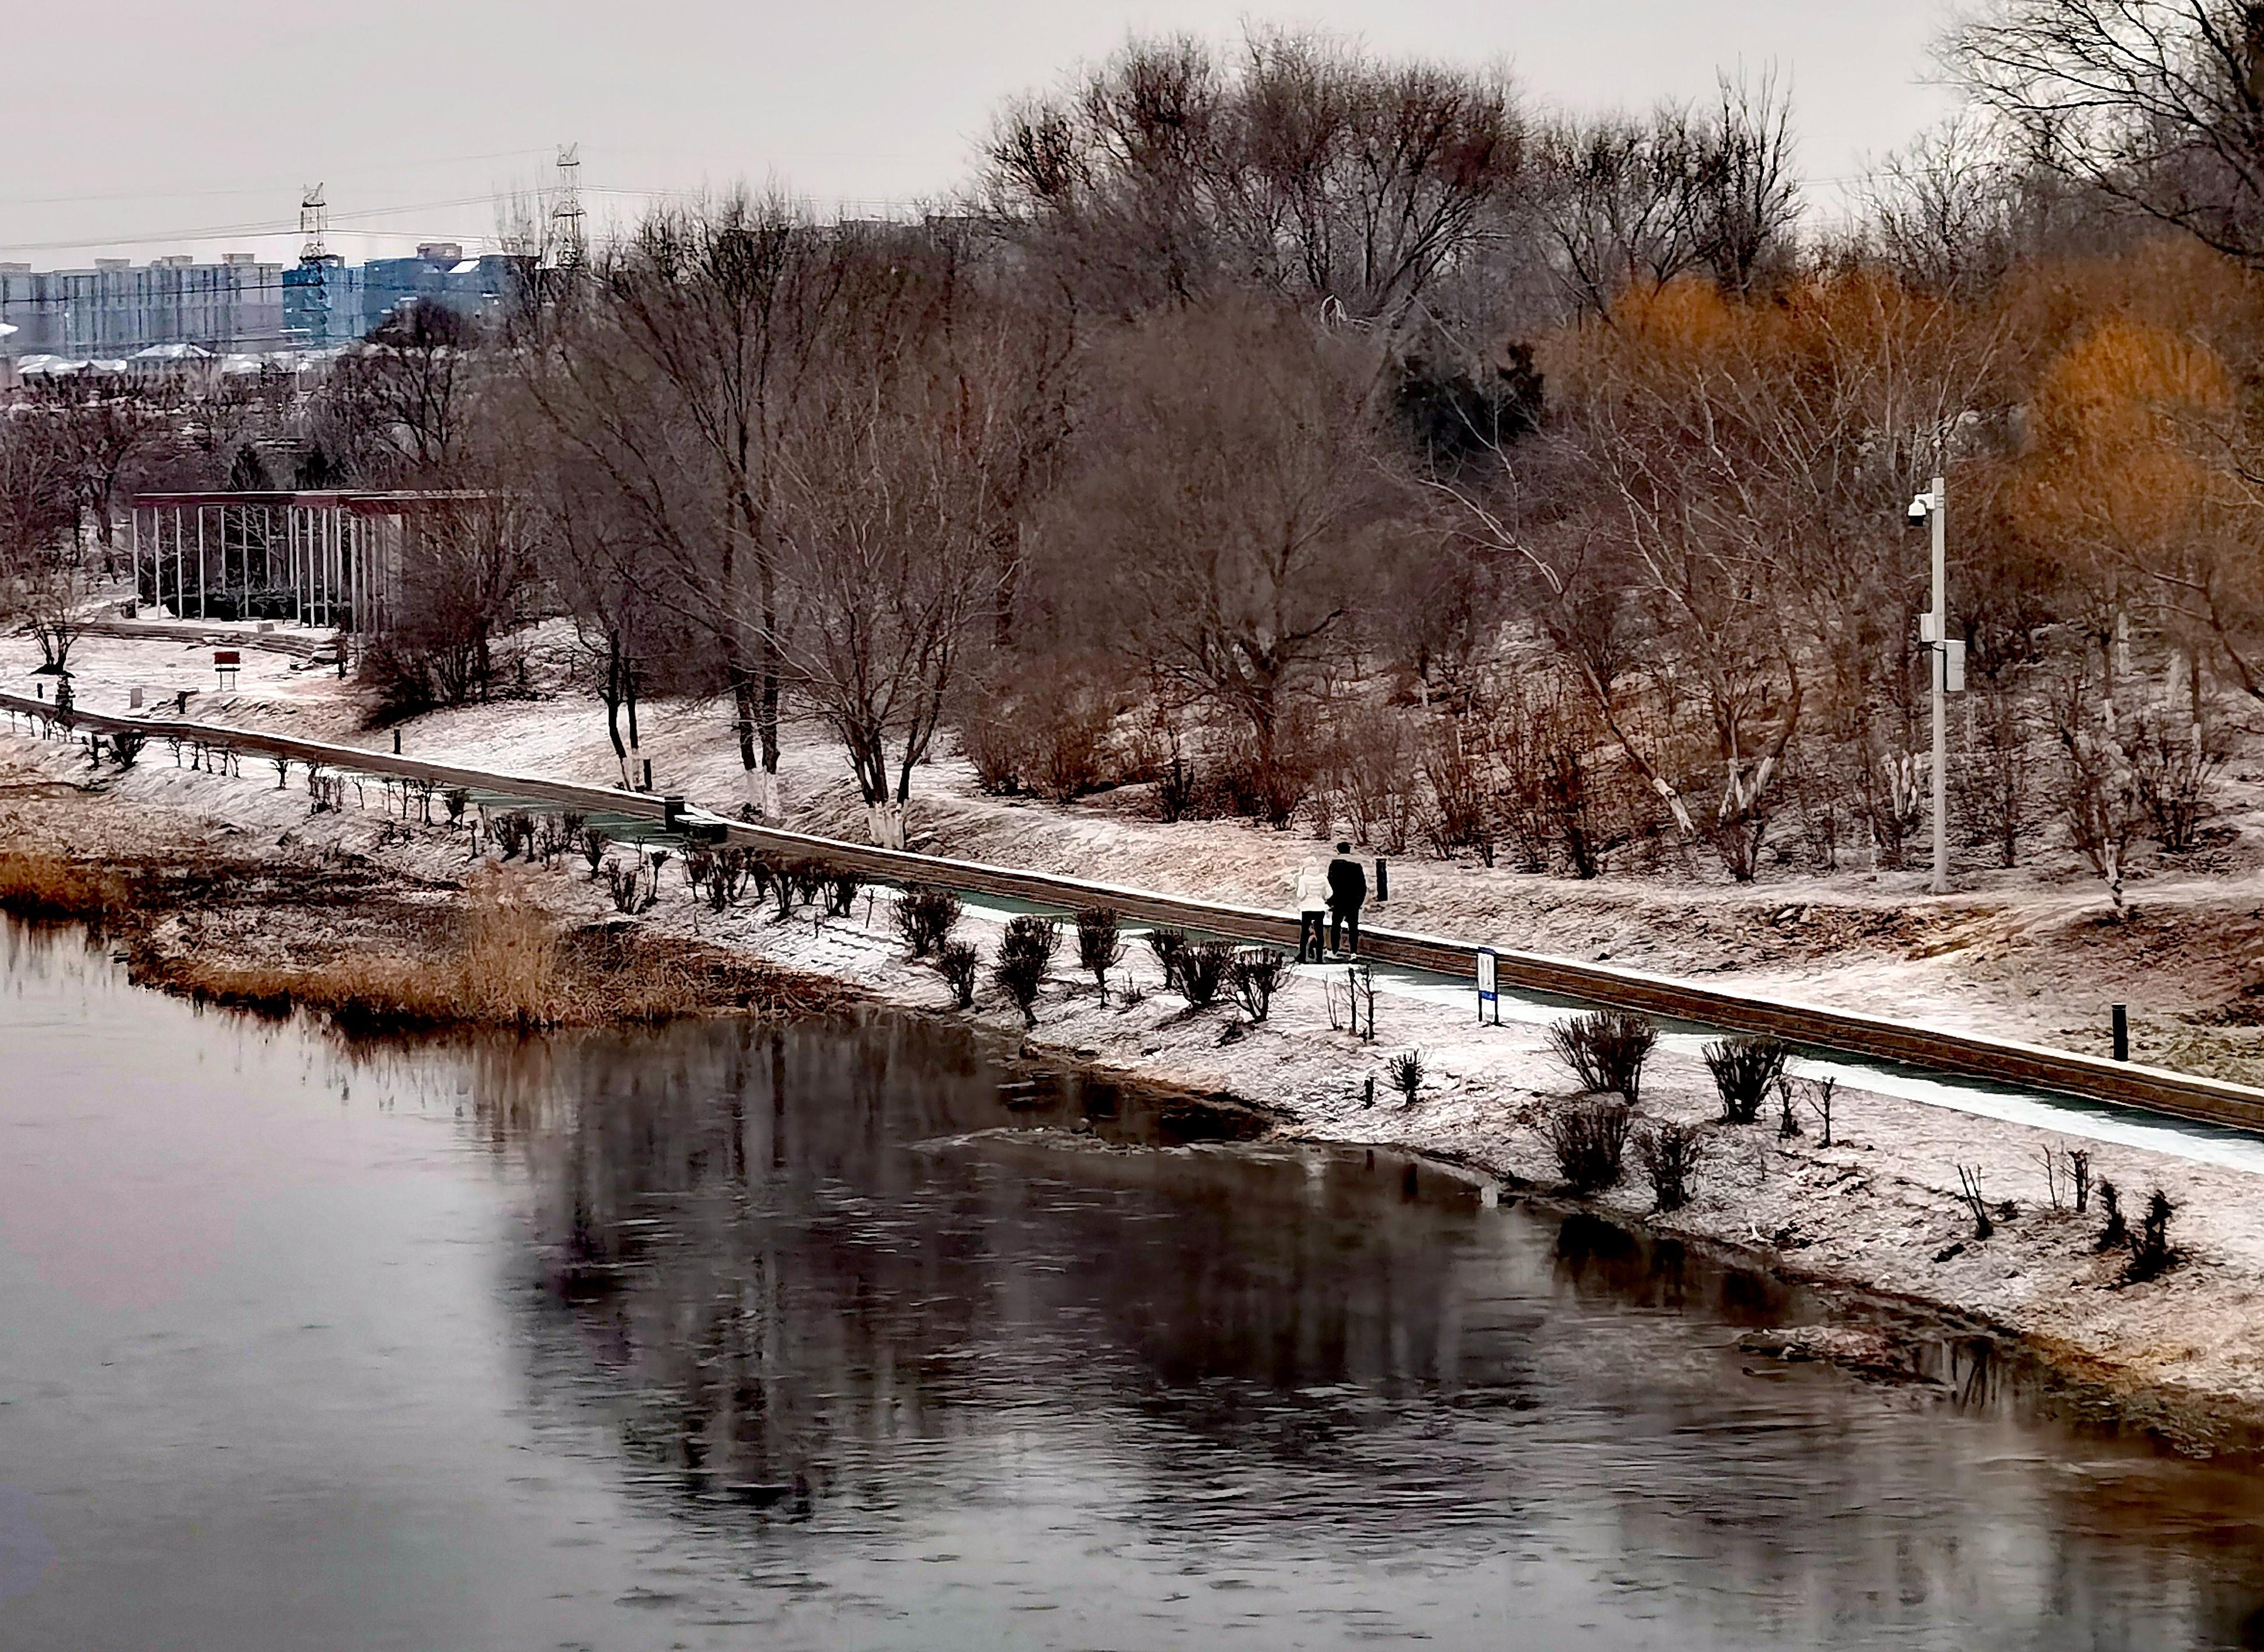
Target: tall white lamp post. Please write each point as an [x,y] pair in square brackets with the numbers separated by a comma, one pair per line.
[1946,661]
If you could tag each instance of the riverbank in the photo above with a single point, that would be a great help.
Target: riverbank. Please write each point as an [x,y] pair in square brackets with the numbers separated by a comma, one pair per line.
[2035,953]
[1878,1211]
[354,938]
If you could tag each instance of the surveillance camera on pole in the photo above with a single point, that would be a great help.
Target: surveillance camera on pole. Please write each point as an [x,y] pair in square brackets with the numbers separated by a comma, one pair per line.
[1946,662]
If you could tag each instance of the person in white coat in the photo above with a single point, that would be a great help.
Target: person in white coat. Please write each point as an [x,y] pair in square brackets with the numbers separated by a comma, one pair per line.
[1312,911]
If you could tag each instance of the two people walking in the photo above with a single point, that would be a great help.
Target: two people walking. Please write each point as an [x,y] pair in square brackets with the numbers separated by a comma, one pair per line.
[1336,894]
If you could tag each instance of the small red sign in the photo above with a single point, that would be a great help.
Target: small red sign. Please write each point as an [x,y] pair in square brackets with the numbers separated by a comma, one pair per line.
[227,656]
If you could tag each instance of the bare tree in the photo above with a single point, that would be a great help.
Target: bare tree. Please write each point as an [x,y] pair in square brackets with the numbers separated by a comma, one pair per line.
[673,373]
[1170,173]
[2157,104]
[900,477]
[415,378]
[2098,793]
[42,576]
[1944,213]
[1705,526]
[465,564]
[1627,200]
[98,439]
[1228,476]
[628,643]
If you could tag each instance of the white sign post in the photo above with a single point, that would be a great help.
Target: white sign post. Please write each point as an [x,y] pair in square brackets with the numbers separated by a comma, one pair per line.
[1489,993]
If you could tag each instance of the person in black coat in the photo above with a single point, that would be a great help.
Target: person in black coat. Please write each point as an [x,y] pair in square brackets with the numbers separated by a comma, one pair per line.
[1347,893]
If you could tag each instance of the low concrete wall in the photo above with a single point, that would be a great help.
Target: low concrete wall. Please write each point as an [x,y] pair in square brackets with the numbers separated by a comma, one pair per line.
[1869,1036]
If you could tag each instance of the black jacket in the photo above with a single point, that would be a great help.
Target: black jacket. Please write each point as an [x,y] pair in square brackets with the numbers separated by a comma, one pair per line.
[1347,884]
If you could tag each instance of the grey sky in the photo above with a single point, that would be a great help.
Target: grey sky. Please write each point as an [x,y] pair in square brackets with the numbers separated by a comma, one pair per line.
[143,126]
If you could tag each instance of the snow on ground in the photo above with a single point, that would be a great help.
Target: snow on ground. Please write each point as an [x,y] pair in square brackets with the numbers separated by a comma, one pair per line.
[1878,1209]
[2029,954]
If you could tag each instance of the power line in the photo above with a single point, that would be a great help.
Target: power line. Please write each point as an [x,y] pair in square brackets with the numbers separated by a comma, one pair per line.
[226,232]
[390,168]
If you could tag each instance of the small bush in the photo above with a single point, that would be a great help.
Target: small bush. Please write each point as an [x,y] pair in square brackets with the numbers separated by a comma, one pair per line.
[126,746]
[1788,1116]
[1746,1070]
[1020,976]
[1039,937]
[1026,951]
[1670,1155]
[1969,1191]
[993,746]
[1405,1073]
[2151,1254]
[957,961]
[515,832]
[1257,974]
[1606,1050]
[1265,789]
[1053,744]
[1823,1091]
[782,886]
[841,892]
[1204,969]
[2116,1234]
[457,800]
[924,916]
[551,840]
[1170,945]
[1589,1140]
[1100,946]
[594,844]
[624,885]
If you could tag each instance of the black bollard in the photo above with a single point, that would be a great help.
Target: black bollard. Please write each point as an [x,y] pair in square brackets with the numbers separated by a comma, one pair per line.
[1382,881]
[648,774]
[397,742]
[2122,1032]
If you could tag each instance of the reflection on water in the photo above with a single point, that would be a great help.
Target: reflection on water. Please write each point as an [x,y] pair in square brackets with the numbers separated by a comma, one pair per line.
[733,1336]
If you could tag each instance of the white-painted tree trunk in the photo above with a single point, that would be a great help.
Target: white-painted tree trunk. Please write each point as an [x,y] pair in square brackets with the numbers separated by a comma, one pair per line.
[888,824]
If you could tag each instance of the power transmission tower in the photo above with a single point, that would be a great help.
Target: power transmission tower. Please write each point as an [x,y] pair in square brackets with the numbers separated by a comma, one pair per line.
[313,223]
[566,213]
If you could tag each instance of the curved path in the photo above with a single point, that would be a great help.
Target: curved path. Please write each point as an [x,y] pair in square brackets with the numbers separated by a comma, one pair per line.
[1903,1057]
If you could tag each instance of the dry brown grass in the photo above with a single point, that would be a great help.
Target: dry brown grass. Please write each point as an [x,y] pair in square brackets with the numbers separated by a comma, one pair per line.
[37,884]
[508,967]
[503,972]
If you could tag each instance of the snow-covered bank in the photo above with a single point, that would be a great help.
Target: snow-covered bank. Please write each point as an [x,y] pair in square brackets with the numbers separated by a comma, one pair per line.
[2034,955]
[1879,1210]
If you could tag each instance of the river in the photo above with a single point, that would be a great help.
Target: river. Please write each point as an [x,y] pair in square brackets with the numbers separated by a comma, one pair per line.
[734,1335]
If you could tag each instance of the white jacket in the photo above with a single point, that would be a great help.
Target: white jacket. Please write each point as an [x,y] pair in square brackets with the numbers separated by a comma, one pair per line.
[1312,889]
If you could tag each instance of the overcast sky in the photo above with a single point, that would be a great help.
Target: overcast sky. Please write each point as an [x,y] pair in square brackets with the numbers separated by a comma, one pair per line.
[135,127]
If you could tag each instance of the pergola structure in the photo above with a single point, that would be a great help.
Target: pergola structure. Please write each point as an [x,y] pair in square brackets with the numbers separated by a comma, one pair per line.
[332,560]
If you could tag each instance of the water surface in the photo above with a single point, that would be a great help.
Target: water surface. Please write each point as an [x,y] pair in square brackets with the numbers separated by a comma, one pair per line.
[733,1336]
